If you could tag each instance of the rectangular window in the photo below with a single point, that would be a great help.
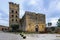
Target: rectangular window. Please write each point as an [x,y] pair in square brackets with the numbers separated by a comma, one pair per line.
[12,15]
[12,19]
[16,16]
[16,20]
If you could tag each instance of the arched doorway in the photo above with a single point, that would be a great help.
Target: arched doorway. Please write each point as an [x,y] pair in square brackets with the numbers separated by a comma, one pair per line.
[2,29]
[36,28]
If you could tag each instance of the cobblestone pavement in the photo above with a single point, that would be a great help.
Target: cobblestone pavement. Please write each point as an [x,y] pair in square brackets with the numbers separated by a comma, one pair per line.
[11,36]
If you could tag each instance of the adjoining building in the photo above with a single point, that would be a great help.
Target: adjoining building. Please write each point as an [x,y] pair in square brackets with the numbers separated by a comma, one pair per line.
[30,22]
[52,29]
[4,28]
[33,22]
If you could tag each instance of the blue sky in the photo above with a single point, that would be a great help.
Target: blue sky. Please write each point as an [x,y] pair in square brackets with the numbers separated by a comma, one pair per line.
[51,8]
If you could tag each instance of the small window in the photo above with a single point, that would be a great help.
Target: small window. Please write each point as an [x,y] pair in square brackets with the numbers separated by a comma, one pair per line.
[16,11]
[12,11]
[16,20]
[36,14]
[2,29]
[12,19]
[12,16]
[16,16]
[36,18]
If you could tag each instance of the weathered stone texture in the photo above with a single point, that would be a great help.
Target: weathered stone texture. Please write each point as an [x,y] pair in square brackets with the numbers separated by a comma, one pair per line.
[31,21]
[13,13]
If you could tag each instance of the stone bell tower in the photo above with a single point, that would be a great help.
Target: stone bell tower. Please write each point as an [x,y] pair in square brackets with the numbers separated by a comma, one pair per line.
[13,13]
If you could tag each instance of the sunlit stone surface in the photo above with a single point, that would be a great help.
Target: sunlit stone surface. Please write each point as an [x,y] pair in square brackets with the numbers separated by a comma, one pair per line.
[11,36]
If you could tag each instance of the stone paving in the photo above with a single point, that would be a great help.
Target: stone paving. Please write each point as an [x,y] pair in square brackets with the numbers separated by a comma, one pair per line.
[11,36]
[8,36]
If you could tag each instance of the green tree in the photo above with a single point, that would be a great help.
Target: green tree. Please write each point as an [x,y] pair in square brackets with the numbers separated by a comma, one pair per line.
[58,23]
[49,23]
[53,28]
[14,27]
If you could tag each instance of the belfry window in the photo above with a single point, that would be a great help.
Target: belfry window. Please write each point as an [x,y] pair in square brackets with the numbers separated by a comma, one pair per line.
[16,20]
[16,16]
[12,11]
[12,15]
[16,12]
[12,19]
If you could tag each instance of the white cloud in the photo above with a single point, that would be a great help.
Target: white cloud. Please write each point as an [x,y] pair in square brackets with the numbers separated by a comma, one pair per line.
[0,15]
[53,20]
[53,9]
[3,22]
[36,5]
[58,6]
[21,13]
[54,6]
[32,2]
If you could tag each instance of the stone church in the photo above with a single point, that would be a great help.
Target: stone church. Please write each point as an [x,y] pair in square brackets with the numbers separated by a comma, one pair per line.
[30,22]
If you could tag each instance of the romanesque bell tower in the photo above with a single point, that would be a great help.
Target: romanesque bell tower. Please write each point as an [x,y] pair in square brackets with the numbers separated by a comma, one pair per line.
[13,13]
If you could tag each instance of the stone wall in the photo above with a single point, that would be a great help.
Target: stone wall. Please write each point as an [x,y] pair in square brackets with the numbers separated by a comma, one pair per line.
[13,13]
[31,20]
[4,28]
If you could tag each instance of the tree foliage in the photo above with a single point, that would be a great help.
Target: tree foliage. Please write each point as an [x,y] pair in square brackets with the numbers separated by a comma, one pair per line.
[58,23]
[14,27]
[53,28]
[49,24]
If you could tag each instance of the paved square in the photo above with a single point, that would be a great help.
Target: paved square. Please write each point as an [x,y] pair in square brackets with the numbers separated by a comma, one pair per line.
[11,36]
